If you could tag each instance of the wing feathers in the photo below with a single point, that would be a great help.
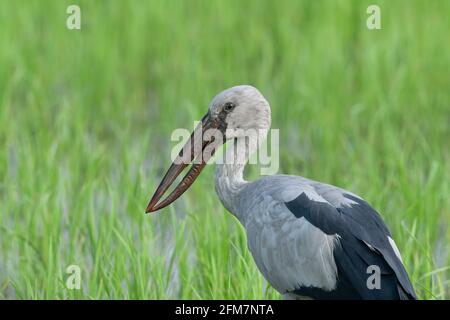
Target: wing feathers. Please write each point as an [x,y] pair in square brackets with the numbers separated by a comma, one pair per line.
[363,242]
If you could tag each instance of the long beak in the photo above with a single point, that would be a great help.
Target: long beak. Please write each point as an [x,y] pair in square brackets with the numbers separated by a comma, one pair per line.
[192,150]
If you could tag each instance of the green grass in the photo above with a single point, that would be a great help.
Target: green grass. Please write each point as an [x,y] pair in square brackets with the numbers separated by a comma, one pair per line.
[86,118]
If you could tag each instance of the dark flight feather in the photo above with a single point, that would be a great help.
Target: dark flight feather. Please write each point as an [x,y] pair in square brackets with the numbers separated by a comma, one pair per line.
[363,241]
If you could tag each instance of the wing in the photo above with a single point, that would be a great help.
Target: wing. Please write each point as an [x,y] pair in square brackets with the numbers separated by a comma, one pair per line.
[364,242]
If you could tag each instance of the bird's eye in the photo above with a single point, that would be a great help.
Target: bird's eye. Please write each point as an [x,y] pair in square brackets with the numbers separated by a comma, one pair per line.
[228,106]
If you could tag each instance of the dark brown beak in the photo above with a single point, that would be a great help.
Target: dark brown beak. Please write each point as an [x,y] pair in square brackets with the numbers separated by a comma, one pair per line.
[192,151]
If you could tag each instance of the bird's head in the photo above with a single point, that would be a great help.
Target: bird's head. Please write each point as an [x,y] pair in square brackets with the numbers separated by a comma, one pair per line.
[239,109]
[231,114]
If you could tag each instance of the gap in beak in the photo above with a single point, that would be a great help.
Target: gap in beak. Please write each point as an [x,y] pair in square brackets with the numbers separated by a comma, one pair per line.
[194,149]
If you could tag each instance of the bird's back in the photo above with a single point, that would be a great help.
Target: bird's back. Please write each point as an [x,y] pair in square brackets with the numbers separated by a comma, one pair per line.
[317,240]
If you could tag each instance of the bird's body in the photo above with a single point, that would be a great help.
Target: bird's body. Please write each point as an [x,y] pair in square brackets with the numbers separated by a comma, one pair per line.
[309,239]
[315,240]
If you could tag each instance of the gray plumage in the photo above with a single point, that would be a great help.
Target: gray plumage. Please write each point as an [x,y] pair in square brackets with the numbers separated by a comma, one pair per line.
[308,239]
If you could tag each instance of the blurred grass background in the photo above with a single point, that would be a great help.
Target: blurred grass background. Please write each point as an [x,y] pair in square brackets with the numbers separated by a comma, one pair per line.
[86,118]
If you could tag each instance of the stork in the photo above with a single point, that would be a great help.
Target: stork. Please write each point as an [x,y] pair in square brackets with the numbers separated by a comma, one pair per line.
[310,240]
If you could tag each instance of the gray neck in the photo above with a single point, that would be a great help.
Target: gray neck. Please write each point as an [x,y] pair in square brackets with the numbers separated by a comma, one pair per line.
[230,174]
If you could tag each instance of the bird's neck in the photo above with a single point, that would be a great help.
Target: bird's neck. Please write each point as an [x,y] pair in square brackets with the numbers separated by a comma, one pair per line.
[230,174]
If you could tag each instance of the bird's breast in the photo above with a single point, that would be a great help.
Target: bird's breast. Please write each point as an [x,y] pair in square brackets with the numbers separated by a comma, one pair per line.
[289,252]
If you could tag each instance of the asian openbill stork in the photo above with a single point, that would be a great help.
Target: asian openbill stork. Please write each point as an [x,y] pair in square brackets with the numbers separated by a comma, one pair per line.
[309,239]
